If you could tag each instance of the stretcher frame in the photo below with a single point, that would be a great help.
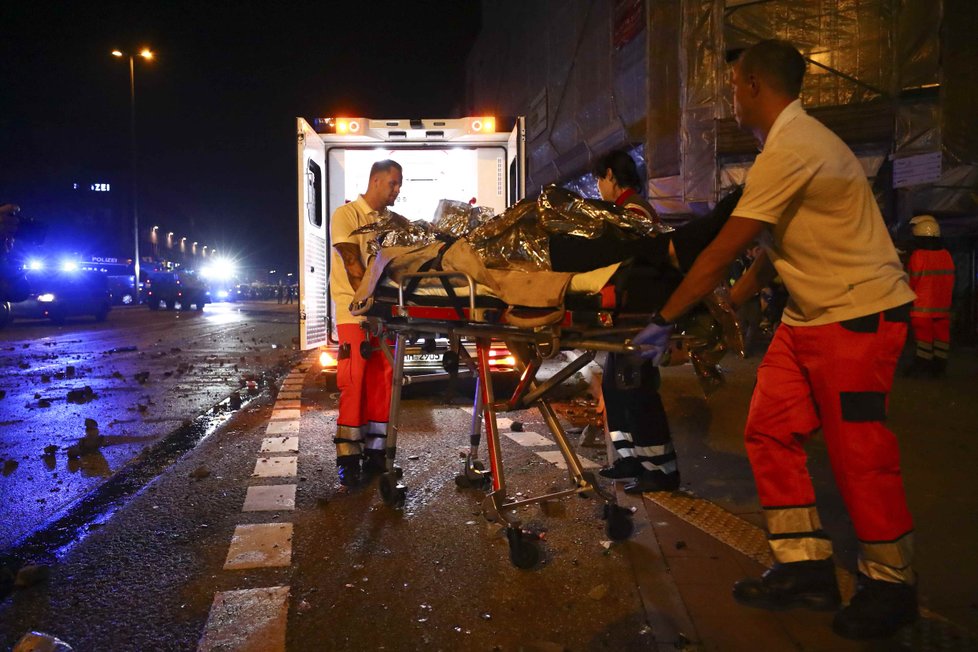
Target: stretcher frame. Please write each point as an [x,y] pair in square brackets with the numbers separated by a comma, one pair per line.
[530,345]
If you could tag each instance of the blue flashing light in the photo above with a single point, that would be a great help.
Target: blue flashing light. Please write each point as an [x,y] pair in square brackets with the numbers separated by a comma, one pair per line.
[35,265]
[45,298]
[222,294]
[69,266]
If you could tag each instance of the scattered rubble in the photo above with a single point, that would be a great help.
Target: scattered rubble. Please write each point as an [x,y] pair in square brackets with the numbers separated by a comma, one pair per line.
[82,395]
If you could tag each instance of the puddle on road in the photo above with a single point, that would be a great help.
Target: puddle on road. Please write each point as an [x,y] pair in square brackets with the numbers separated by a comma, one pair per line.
[66,529]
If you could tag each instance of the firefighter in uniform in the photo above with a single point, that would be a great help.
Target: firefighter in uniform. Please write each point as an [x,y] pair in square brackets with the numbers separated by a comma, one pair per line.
[932,279]
[831,362]
[636,417]
[364,381]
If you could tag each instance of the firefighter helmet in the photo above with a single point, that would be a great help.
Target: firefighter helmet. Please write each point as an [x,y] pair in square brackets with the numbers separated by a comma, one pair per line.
[925,226]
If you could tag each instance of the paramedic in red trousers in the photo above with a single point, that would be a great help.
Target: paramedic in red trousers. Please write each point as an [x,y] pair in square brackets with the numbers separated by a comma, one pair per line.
[931,272]
[636,418]
[830,364]
[364,383]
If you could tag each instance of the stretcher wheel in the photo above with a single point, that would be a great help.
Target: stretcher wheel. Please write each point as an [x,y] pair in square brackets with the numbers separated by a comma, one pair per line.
[522,552]
[473,476]
[392,492]
[619,525]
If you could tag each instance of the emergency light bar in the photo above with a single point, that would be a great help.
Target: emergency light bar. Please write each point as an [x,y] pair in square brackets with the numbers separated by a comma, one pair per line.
[394,129]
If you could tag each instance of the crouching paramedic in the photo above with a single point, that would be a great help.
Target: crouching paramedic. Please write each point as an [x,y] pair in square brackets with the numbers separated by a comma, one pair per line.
[364,382]
[830,364]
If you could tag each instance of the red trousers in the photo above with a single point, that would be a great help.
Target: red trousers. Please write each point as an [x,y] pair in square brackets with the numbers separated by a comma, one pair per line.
[837,377]
[365,393]
[932,335]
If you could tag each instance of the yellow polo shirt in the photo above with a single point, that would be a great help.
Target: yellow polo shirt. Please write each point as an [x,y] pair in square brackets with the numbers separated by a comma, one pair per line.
[346,219]
[830,245]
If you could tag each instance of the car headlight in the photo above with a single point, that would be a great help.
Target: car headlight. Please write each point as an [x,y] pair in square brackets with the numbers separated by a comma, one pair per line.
[45,298]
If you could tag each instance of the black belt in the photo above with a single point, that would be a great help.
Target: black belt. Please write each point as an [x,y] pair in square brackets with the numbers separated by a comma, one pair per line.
[870,323]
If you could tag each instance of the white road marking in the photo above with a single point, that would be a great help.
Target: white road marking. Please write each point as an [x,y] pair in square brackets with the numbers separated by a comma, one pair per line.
[260,545]
[283,427]
[270,498]
[529,439]
[282,415]
[289,395]
[280,444]
[276,467]
[252,620]
[287,404]
[555,457]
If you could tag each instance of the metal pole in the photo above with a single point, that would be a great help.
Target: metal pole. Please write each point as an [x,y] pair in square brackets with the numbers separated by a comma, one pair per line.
[135,203]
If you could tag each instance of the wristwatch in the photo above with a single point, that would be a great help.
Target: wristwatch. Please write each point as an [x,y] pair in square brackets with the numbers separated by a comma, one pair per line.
[658,320]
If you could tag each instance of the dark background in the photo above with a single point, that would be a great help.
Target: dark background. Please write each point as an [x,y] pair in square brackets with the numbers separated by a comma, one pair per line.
[215,111]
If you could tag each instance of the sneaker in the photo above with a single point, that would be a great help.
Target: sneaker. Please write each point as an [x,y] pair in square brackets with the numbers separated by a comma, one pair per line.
[624,467]
[877,610]
[374,462]
[348,469]
[653,481]
[809,584]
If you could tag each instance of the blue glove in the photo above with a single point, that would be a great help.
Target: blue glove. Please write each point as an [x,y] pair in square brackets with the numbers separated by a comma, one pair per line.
[655,339]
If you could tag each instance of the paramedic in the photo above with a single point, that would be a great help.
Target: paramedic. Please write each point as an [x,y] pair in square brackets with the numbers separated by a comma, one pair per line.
[636,418]
[830,364]
[364,383]
[931,272]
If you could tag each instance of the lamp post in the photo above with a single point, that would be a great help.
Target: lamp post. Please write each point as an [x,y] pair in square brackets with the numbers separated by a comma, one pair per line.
[147,54]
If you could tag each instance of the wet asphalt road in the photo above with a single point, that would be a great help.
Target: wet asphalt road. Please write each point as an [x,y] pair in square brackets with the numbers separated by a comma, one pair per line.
[148,373]
[363,576]
[436,576]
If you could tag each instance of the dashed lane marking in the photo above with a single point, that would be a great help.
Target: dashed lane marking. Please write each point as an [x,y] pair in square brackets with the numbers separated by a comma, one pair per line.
[270,498]
[260,545]
[287,404]
[251,620]
[280,444]
[284,466]
[289,395]
[283,415]
[529,438]
[557,458]
[283,427]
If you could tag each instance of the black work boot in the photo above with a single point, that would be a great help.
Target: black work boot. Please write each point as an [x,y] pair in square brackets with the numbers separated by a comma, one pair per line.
[653,481]
[374,462]
[348,468]
[877,610]
[809,584]
[624,467]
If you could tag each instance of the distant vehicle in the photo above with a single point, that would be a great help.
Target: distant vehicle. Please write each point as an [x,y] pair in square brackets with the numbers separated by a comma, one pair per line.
[171,289]
[63,294]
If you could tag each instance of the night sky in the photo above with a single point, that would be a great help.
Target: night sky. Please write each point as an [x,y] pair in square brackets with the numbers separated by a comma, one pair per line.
[215,112]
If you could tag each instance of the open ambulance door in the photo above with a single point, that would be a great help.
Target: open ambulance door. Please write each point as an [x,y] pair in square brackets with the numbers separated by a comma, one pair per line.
[516,161]
[313,238]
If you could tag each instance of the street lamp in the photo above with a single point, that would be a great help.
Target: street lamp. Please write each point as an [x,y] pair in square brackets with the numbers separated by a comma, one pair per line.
[147,54]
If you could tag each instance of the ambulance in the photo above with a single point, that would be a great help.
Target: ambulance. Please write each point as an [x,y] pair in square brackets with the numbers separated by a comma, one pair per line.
[470,159]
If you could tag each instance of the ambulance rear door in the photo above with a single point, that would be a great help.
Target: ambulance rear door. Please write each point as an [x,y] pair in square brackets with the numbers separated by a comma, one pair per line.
[313,234]
[516,161]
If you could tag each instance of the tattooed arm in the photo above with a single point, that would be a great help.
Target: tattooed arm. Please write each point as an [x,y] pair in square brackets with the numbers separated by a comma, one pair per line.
[350,253]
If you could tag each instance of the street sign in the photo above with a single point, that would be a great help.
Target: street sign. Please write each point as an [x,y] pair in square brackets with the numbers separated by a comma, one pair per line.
[917,169]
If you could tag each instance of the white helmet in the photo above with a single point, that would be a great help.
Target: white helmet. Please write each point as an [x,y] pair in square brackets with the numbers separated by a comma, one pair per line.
[925,226]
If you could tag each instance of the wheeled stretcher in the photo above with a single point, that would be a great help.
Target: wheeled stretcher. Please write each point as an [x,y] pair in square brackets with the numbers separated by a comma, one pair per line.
[463,315]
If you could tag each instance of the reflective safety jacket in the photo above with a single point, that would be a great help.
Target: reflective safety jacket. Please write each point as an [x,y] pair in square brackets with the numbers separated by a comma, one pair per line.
[932,278]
